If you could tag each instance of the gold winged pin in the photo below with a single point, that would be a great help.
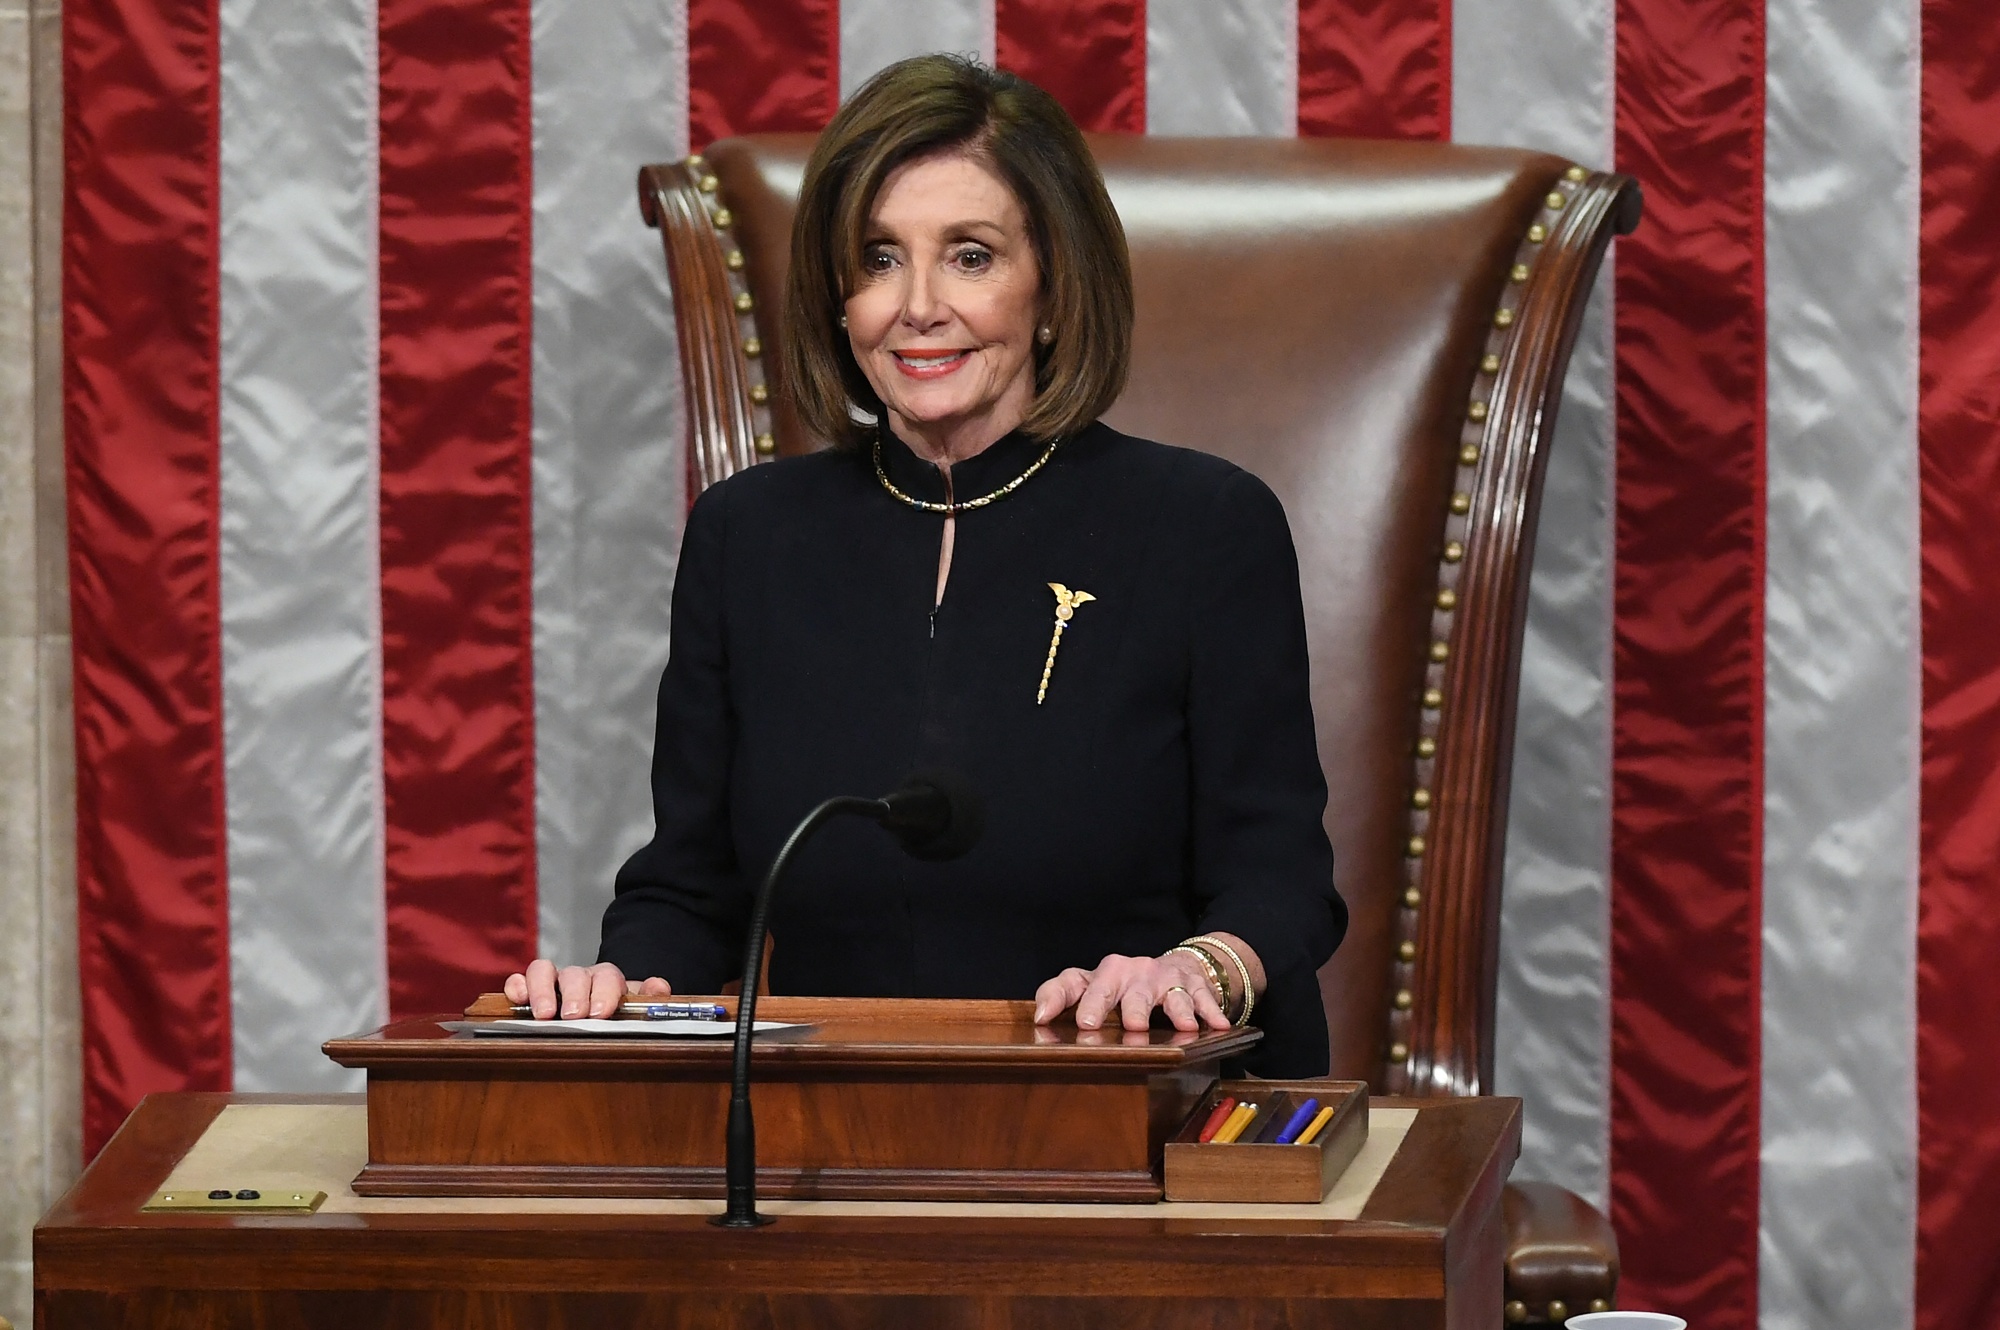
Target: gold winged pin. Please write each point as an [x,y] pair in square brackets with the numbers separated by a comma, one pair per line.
[1066,603]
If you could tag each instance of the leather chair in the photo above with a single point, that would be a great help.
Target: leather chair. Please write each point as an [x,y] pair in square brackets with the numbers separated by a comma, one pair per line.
[1380,331]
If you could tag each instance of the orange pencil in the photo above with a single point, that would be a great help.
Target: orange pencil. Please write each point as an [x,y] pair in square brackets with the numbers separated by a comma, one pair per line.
[1238,1122]
[1318,1125]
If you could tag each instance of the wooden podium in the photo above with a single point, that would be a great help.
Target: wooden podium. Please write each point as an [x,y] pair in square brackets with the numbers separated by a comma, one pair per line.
[1005,1113]
[877,1099]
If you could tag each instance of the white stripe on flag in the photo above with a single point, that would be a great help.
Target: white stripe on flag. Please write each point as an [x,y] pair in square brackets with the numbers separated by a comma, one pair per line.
[1216,68]
[1538,73]
[877,33]
[1838,1186]
[610,94]
[299,551]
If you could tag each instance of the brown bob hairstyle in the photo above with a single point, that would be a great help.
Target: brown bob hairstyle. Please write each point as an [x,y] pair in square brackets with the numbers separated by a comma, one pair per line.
[943,104]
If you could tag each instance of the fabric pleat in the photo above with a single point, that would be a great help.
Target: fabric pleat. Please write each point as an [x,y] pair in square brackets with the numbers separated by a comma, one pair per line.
[456,506]
[1958,933]
[608,474]
[139,418]
[1537,73]
[1840,769]
[1089,54]
[1375,69]
[877,33]
[1687,730]
[301,684]
[1222,69]
[761,65]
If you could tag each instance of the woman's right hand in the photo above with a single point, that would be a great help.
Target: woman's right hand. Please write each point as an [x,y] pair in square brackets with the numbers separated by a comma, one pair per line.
[576,991]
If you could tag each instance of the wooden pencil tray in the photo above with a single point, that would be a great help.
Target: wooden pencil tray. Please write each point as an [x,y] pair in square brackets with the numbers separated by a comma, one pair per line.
[1248,1170]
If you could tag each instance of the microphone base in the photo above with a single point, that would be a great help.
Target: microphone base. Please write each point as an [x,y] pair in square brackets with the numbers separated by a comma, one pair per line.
[751,1220]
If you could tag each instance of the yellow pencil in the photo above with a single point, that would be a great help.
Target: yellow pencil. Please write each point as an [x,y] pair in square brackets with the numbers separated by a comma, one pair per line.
[1233,1128]
[1324,1116]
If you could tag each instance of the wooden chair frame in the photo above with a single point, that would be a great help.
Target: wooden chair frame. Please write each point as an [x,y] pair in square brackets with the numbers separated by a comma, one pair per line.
[1439,1026]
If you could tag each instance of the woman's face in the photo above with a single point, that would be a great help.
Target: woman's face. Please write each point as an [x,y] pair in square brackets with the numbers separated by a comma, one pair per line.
[942,319]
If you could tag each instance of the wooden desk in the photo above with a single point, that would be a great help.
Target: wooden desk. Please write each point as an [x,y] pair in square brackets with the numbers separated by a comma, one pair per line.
[1425,1252]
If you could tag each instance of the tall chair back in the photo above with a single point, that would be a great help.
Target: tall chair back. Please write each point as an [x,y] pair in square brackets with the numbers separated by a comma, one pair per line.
[1380,332]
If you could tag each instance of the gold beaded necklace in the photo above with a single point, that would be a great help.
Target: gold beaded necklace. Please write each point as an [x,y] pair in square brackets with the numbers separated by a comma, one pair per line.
[952,509]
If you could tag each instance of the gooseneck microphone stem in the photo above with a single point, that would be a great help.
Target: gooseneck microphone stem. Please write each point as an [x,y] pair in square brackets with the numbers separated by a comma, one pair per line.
[741,1170]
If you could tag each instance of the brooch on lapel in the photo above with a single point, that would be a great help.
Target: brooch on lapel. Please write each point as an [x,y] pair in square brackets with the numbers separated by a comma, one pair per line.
[1066,603]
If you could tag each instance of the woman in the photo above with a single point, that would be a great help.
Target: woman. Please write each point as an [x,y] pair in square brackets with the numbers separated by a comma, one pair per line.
[1103,635]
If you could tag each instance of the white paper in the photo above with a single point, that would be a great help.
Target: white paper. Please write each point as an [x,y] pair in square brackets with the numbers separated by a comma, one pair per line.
[624,1029]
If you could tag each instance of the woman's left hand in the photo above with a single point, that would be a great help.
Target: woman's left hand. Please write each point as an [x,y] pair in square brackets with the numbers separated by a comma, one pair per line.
[1133,986]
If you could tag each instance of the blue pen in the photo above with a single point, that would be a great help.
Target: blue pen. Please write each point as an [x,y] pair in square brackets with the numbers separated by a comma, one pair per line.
[686,1011]
[1298,1122]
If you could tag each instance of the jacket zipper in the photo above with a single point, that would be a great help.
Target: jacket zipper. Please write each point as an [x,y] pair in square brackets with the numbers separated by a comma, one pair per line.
[946,531]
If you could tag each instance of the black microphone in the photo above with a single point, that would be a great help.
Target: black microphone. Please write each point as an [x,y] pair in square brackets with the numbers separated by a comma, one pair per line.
[935,816]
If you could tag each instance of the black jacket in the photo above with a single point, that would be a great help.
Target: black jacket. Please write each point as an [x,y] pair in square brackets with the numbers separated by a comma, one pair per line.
[1168,785]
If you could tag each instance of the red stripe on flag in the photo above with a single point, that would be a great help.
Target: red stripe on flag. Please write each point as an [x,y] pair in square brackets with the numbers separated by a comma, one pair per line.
[761,66]
[1958,926]
[1687,732]
[456,510]
[1090,55]
[1375,68]
[140,360]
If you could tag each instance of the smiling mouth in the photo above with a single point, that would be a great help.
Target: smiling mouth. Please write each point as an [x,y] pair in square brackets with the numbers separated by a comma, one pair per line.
[929,365]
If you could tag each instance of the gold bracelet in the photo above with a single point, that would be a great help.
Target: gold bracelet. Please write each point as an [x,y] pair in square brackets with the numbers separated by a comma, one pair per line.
[1249,995]
[1208,966]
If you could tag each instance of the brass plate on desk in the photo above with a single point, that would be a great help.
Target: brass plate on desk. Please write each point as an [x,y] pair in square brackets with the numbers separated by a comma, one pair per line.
[238,1200]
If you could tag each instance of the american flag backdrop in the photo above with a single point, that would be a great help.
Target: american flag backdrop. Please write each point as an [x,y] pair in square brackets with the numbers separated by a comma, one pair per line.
[375,482]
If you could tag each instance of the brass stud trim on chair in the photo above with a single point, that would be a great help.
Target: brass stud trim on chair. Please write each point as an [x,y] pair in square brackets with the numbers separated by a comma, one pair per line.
[1399,1053]
[1407,952]
[1405,999]
[1412,898]
[1598,1304]
[709,184]
[1517,1313]
[1558,1311]
[1483,412]
[1576,175]
[745,304]
[697,163]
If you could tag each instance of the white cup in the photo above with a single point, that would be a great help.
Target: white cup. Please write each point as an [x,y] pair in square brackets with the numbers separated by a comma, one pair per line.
[1626,1321]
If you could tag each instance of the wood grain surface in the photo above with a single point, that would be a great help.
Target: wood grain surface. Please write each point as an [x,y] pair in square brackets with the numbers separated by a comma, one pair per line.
[874,1099]
[1425,1253]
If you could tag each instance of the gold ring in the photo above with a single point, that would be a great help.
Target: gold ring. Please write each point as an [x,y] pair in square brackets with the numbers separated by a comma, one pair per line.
[1176,988]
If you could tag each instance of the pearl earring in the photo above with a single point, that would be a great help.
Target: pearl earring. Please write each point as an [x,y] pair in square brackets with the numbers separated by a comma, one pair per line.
[843,320]
[1045,334]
